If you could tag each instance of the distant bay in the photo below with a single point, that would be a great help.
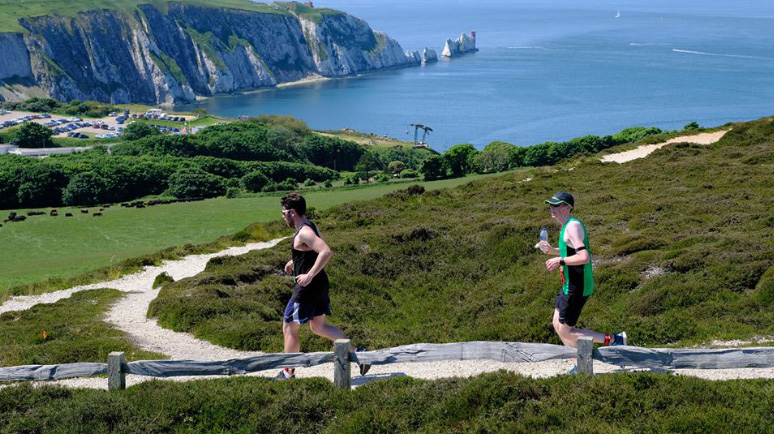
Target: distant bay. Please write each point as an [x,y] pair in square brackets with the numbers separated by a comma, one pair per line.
[544,72]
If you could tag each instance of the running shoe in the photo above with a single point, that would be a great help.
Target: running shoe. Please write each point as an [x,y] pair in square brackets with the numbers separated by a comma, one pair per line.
[620,339]
[573,371]
[363,367]
[281,376]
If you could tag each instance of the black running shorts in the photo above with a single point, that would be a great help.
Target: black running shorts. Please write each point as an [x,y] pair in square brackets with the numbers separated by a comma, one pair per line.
[569,306]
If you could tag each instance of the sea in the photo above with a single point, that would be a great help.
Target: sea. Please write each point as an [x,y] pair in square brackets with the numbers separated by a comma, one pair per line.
[545,70]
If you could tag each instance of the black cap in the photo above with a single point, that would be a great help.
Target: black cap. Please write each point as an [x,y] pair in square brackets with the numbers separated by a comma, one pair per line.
[561,198]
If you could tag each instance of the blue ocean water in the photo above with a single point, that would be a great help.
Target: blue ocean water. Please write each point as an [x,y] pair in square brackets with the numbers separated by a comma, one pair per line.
[545,70]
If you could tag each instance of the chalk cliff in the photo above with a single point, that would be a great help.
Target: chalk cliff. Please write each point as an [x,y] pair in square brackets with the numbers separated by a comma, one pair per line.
[463,44]
[185,51]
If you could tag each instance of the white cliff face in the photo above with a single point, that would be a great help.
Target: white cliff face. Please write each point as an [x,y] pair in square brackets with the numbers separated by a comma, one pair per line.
[463,44]
[187,51]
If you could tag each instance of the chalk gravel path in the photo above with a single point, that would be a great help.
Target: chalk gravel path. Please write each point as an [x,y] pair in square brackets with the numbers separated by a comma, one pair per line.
[645,150]
[129,315]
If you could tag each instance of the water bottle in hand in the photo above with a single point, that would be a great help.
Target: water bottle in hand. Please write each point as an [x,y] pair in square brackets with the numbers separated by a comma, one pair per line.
[543,237]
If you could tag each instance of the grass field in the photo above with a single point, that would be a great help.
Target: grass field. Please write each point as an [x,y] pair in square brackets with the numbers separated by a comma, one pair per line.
[46,247]
[11,11]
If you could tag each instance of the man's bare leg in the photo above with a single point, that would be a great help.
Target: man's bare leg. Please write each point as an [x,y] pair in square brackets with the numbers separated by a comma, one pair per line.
[320,327]
[290,333]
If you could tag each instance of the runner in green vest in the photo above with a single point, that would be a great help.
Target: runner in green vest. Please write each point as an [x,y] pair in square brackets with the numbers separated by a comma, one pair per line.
[574,263]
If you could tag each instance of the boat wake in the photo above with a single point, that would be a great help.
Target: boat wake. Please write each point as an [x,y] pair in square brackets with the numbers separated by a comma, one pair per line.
[702,53]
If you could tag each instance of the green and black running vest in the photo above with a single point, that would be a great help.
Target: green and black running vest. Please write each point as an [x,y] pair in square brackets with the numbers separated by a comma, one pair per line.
[576,277]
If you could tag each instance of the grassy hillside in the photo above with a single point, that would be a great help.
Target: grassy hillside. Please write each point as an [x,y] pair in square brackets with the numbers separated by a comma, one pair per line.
[61,248]
[75,332]
[681,241]
[11,11]
[499,402]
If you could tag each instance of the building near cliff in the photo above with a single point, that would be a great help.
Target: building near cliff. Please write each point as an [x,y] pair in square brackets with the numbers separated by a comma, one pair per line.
[174,51]
[463,44]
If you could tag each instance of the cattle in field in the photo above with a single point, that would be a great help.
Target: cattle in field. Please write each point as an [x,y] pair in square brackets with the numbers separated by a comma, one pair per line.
[54,213]
[6,220]
[101,209]
[97,214]
[33,213]
[69,214]
[19,218]
[84,211]
[11,216]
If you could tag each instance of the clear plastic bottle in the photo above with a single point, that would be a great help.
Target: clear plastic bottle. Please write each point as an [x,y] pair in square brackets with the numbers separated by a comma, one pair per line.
[543,235]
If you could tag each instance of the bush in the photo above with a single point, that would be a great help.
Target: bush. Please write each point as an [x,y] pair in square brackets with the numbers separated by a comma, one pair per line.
[408,173]
[691,126]
[254,181]
[327,184]
[309,183]
[195,183]
[162,279]
[232,192]
[381,178]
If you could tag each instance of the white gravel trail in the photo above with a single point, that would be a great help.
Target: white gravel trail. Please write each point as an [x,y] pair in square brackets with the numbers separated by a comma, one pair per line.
[645,150]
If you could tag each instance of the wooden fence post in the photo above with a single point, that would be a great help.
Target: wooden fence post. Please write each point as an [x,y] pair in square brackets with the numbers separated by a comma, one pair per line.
[341,369]
[116,374]
[585,356]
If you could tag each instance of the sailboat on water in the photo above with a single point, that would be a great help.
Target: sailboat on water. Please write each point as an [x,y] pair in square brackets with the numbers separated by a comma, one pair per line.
[618,13]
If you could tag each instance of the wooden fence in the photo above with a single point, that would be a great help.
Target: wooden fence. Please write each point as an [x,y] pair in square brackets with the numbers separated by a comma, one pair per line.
[116,367]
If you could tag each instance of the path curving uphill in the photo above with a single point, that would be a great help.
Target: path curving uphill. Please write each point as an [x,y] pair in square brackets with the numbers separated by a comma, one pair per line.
[645,150]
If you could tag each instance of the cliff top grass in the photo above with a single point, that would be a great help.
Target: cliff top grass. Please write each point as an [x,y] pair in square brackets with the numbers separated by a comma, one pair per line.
[11,11]
[682,244]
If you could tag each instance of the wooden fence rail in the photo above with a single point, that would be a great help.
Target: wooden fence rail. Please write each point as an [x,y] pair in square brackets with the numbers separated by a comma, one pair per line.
[625,356]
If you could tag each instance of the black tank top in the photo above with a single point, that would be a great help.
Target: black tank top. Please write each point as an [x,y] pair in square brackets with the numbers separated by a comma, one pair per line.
[303,261]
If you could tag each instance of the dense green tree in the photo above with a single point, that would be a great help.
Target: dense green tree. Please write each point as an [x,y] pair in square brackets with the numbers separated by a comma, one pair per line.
[495,157]
[368,163]
[138,130]
[195,183]
[460,159]
[537,155]
[331,152]
[396,167]
[434,168]
[33,135]
[86,188]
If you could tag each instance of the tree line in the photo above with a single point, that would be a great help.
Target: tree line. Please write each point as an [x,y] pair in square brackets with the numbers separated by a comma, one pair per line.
[500,156]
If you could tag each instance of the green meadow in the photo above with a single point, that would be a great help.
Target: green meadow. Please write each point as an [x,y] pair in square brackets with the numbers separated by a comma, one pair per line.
[44,247]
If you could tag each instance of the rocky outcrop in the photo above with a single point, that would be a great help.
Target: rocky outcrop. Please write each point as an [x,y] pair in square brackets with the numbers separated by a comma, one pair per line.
[463,44]
[174,56]
[429,56]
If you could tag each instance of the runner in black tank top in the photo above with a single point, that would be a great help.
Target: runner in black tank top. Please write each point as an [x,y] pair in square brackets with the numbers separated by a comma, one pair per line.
[309,302]
[315,292]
